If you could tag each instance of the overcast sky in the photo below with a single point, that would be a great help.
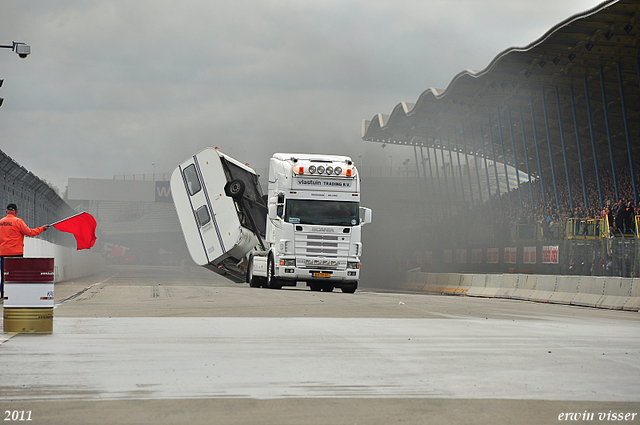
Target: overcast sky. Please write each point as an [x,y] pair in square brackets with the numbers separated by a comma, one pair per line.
[112,87]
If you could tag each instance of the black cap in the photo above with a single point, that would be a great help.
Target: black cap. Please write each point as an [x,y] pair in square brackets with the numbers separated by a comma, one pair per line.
[12,207]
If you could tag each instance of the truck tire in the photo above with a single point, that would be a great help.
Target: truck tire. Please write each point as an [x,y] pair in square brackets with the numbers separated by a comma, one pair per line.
[234,189]
[349,288]
[253,281]
[272,281]
[316,287]
[327,287]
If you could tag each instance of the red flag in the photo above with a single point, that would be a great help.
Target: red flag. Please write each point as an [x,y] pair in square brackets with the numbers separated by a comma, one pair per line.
[82,226]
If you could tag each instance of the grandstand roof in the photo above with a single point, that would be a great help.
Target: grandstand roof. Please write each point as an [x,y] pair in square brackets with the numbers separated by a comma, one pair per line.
[553,89]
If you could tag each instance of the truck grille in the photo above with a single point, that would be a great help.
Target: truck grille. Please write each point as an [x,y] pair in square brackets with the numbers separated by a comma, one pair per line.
[315,245]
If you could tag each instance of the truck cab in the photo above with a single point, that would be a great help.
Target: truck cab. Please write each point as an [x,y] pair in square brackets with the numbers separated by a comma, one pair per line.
[314,223]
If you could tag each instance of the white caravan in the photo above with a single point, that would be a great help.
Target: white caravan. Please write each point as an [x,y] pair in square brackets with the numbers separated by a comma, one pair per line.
[307,229]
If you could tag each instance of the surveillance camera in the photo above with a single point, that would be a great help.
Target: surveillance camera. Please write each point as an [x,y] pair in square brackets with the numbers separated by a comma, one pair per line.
[23,50]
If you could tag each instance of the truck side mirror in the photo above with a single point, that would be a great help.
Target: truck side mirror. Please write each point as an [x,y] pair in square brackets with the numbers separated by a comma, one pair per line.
[365,215]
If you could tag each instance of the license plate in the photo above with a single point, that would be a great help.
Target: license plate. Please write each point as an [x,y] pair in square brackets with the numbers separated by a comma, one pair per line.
[321,274]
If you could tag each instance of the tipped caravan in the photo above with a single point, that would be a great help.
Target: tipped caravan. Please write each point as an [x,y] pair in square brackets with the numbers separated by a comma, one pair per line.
[306,229]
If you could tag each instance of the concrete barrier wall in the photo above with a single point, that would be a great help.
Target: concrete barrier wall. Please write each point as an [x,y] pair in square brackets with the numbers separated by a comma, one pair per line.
[68,263]
[589,291]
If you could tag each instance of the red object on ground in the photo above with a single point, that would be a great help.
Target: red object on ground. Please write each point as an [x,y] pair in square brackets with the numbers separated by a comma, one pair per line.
[82,226]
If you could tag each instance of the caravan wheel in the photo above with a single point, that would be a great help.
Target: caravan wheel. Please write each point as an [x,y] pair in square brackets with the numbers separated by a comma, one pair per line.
[234,189]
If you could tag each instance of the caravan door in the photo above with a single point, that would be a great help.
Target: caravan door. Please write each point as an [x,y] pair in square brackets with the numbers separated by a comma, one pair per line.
[208,217]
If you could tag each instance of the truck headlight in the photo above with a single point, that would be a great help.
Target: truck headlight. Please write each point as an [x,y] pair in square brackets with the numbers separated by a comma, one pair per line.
[288,263]
[353,265]
[312,169]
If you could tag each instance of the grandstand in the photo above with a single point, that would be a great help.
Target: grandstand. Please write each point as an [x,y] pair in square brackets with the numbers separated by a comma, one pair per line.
[564,112]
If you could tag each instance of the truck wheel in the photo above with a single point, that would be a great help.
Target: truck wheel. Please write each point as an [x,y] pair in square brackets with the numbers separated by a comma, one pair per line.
[315,287]
[234,189]
[349,288]
[272,281]
[327,287]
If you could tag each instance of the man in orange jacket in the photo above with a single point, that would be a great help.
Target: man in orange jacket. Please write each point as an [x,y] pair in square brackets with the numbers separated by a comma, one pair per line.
[12,233]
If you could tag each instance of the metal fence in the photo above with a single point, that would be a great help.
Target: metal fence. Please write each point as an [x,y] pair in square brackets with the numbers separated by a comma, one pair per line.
[38,204]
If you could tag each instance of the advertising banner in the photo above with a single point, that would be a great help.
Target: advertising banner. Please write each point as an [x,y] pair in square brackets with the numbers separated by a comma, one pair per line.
[510,255]
[461,256]
[476,255]
[529,255]
[550,255]
[492,255]
[448,255]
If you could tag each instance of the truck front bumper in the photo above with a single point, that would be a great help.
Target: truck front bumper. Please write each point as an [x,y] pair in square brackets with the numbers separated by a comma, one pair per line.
[316,274]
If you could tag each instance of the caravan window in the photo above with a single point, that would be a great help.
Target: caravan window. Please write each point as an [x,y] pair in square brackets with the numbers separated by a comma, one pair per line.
[191,178]
[203,215]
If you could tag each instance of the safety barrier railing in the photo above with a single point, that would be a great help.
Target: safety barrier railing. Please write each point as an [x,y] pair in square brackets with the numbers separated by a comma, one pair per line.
[525,232]
[625,229]
[537,232]
[586,228]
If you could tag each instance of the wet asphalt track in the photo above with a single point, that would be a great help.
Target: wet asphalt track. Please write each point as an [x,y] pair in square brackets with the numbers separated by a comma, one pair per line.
[158,345]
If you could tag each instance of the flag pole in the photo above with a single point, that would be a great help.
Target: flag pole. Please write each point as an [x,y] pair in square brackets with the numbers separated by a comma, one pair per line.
[64,219]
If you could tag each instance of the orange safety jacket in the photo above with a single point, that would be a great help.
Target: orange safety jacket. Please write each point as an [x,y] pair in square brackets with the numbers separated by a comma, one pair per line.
[12,233]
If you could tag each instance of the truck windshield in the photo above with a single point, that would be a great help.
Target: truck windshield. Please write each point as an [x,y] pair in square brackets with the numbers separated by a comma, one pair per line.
[334,213]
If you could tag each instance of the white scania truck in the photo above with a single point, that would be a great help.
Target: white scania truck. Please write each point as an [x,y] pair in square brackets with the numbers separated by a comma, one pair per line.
[306,229]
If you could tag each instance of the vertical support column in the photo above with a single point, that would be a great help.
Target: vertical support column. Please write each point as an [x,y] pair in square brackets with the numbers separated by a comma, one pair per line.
[504,159]
[455,137]
[466,155]
[493,157]
[423,196]
[606,123]
[626,133]
[515,158]
[415,154]
[444,169]
[575,126]
[424,172]
[564,154]
[475,164]
[453,177]
[593,141]
[526,157]
[546,124]
[435,157]
[433,183]
[486,166]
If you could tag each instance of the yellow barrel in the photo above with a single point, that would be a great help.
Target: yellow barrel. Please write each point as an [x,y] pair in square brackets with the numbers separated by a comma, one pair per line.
[34,320]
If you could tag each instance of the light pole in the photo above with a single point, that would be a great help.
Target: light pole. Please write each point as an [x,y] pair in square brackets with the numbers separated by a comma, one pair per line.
[23,50]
